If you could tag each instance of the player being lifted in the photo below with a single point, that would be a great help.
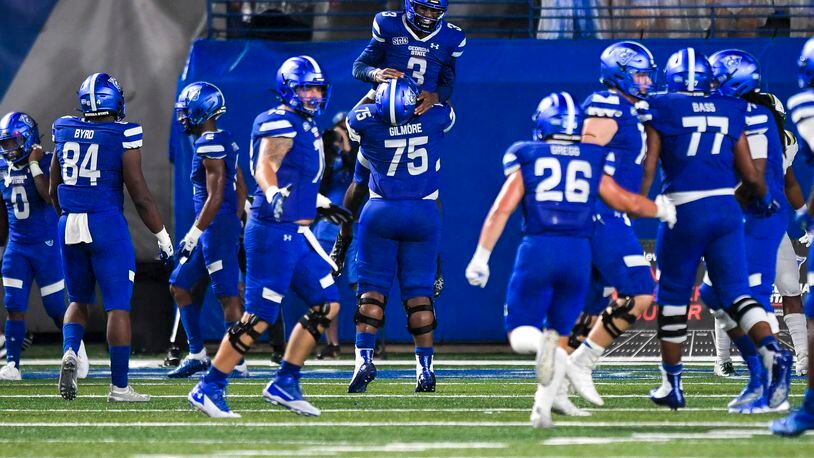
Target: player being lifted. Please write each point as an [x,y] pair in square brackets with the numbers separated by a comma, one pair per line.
[287,163]
[801,107]
[416,42]
[97,154]
[703,149]
[611,119]
[218,196]
[30,224]
[400,227]
[557,181]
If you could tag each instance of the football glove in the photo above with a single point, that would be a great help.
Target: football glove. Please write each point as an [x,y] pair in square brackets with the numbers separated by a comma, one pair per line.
[666,211]
[332,212]
[276,198]
[165,250]
[803,218]
[765,206]
[338,253]
[188,243]
[477,272]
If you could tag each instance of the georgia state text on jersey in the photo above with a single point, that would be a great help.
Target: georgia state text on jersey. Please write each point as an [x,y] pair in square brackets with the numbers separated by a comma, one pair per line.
[395,45]
[697,137]
[404,161]
[302,166]
[30,218]
[561,182]
[765,143]
[215,145]
[90,157]
[628,144]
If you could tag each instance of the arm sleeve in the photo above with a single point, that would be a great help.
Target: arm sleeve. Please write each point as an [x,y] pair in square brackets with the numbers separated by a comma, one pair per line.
[132,137]
[445,81]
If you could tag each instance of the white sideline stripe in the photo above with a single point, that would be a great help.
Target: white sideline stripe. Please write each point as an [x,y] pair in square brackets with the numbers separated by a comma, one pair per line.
[52,288]
[360,424]
[369,395]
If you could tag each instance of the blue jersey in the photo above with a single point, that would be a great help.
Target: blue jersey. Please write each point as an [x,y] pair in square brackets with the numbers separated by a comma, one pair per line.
[215,145]
[628,145]
[801,111]
[698,135]
[426,60]
[90,158]
[764,143]
[405,160]
[301,168]
[30,218]
[561,183]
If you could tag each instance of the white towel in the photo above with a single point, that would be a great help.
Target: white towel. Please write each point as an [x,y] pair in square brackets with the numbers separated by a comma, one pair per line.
[76,229]
[312,240]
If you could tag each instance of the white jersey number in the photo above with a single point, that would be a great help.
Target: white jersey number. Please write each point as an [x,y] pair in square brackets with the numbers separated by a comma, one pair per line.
[419,67]
[417,156]
[72,170]
[577,174]
[701,124]
[19,200]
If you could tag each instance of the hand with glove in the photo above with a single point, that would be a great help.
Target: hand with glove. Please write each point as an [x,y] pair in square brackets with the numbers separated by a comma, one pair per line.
[332,212]
[477,272]
[164,246]
[666,211]
[804,219]
[276,198]
[765,206]
[188,244]
[338,253]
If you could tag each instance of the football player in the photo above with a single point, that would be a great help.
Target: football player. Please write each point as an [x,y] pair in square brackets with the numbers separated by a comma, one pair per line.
[612,120]
[557,180]
[416,42]
[400,227]
[96,155]
[698,133]
[801,107]
[218,196]
[287,163]
[29,223]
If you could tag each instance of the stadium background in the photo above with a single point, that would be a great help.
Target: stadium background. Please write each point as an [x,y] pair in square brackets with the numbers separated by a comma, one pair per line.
[499,83]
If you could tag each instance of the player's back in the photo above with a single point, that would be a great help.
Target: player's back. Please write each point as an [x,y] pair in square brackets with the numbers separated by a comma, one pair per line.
[561,185]
[90,158]
[30,218]
[420,58]
[765,142]
[405,160]
[301,168]
[698,134]
[215,145]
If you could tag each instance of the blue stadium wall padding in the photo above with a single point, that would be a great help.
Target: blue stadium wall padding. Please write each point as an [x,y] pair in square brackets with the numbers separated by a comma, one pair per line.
[498,86]
[20,24]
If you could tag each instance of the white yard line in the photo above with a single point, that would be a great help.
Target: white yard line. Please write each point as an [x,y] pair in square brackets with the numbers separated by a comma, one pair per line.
[484,410]
[374,395]
[378,424]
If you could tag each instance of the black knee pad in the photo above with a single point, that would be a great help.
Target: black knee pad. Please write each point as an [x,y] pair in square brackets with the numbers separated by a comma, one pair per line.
[314,318]
[580,330]
[240,329]
[425,307]
[364,319]
[743,311]
[618,311]
[673,327]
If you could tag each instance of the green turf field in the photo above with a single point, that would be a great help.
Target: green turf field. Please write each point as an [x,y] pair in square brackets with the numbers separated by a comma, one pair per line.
[476,412]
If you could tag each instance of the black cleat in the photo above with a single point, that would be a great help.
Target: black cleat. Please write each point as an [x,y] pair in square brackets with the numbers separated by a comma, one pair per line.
[67,376]
[329,351]
[425,382]
[173,358]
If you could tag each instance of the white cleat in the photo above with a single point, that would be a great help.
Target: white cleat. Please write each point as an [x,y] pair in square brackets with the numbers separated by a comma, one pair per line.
[127,394]
[241,371]
[563,406]
[82,362]
[582,381]
[724,368]
[544,362]
[801,366]
[784,407]
[541,411]
[10,372]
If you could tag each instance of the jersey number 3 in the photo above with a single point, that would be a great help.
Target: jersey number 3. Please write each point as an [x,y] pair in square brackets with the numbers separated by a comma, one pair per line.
[577,174]
[72,170]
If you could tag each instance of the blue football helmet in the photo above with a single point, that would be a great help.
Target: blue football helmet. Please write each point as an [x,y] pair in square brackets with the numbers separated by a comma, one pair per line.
[396,100]
[737,72]
[806,64]
[302,72]
[197,103]
[18,135]
[101,95]
[622,62]
[557,118]
[421,22]
[688,70]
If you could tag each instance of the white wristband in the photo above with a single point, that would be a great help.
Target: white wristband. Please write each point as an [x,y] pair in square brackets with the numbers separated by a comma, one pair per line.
[163,237]
[323,202]
[482,255]
[35,169]
[194,233]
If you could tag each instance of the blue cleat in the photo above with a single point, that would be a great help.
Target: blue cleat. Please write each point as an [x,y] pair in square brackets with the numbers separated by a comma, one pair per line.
[240,371]
[189,367]
[209,399]
[754,406]
[794,424]
[425,383]
[753,391]
[670,393]
[363,376]
[285,392]
[777,391]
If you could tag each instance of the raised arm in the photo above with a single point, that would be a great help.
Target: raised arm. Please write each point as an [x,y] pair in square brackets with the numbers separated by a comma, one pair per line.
[40,179]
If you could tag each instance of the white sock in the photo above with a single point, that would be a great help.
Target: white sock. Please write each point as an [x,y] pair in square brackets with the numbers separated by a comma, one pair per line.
[588,354]
[723,343]
[199,356]
[796,322]
[525,339]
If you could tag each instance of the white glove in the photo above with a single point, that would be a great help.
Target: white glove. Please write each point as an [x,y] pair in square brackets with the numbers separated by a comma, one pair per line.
[666,211]
[188,243]
[805,239]
[164,245]
[323,202]
[276,197]
[477,272]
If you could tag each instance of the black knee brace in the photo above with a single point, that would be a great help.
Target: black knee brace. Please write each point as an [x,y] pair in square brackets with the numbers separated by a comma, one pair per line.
[618,311]
[580,331]
[425,307]
[672,328]
[364,319]
[316,317]
[741,308]
[240,329]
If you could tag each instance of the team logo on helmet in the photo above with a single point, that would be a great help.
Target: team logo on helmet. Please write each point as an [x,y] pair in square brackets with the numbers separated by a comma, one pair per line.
[27,120]
[625,55]
[115,83]
[194,93]
[732,62]
[409,98]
